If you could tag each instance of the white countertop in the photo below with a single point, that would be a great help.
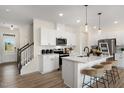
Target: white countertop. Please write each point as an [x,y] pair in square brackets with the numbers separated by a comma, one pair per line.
[48,54]
[86,59]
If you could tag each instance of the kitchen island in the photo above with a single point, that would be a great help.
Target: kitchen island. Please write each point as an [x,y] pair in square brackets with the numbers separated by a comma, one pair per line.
[73,64]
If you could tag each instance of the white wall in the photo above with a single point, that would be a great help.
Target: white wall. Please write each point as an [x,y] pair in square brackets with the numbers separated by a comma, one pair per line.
[8,57]
[26,34]
[110,32]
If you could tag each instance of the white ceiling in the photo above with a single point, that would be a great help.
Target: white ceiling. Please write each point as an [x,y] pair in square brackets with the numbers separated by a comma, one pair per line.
[19,14]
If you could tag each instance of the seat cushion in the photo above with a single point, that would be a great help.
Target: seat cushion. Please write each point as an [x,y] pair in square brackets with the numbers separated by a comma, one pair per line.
[89,72]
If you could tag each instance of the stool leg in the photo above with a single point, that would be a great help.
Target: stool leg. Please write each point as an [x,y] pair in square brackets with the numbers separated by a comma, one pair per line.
[90,81]
[104,82]
[117,73]
[96,82]
[112,77]
[107,77]
[83,81]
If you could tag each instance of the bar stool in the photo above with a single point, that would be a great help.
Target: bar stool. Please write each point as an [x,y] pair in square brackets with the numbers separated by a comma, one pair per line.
[108,72]
[115,70]
[100,74]
[89,72]
[94,74]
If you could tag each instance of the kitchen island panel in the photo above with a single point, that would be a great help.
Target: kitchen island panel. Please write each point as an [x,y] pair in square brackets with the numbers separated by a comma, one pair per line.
[71,70]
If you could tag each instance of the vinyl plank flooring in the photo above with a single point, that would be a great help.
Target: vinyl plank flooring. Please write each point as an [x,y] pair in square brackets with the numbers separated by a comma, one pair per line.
[9,78]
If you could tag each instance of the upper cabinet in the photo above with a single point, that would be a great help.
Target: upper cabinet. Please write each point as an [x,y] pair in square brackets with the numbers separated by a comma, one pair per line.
[43,37]
[51,37]
[48,36]
[71,37]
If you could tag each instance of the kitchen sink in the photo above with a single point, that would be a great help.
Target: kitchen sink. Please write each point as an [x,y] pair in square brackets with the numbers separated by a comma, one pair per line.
[82,56]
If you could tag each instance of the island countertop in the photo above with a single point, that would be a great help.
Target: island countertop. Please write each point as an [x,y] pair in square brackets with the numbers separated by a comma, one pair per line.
[86,59]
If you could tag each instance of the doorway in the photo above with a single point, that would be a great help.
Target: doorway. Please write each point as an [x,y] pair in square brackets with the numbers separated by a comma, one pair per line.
[9,48]
[9,42]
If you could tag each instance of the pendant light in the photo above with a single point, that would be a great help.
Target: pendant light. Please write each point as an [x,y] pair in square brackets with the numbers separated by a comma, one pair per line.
[86,24]
[99,29]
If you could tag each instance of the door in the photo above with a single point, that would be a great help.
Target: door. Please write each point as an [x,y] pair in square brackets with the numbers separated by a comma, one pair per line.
[9,48]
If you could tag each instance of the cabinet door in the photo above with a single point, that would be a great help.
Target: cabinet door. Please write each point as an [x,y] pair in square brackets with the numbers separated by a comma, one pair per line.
[55,61]
[43,37]
[48,37]
[51,62]
[51,36]
[72,38]
[47,64]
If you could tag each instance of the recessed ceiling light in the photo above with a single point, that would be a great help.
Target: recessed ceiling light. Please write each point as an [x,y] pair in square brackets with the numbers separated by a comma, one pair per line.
[115,22]
[61,14]
[8,10]
[78,21]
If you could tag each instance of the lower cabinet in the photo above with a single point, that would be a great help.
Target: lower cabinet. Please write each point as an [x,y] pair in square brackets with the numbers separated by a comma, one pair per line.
[120,58]
[49,62]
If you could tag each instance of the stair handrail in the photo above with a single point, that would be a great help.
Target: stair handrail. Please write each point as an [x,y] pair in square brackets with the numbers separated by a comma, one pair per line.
[26,47]
[23,46]
[19,52]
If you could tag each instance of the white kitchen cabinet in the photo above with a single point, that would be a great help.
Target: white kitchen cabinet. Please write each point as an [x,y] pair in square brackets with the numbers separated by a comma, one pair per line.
[49,62]
[60,34]
[48,37]
[120,58]
[51,36]
[43,37]
[71,38]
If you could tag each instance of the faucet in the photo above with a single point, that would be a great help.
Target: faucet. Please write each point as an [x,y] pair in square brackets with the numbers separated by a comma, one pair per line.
[88,53]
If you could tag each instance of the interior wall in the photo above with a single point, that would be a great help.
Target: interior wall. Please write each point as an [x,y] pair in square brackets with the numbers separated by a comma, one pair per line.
[108,32]
[26,34]
[5,57]
[83,40]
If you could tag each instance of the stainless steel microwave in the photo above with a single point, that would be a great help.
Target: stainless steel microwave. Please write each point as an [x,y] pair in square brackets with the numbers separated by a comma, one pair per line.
[61,41]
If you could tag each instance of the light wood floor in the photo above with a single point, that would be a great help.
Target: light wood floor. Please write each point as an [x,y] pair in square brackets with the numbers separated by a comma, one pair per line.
[10,78]
[119,82]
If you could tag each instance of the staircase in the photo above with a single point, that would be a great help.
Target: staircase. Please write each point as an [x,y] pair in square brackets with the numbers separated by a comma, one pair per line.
[24,56]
